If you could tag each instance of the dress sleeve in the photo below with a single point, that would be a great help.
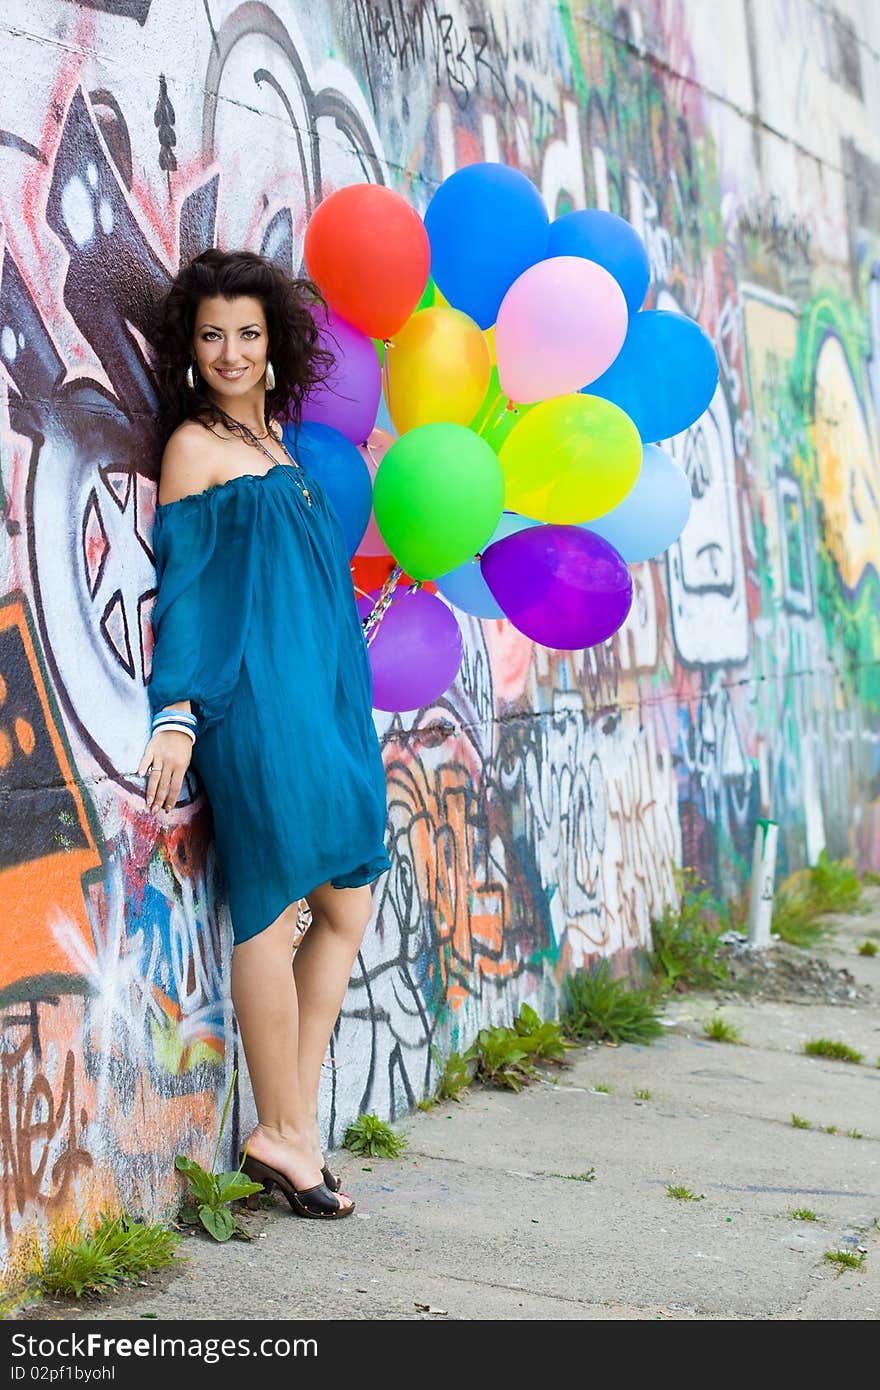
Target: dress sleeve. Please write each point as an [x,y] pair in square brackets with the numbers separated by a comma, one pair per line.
[204,553]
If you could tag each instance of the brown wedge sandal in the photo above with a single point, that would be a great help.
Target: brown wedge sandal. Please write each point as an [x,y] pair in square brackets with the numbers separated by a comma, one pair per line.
[318,1202]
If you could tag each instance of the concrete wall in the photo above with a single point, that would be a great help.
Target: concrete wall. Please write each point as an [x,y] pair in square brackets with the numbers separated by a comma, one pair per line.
[537,813]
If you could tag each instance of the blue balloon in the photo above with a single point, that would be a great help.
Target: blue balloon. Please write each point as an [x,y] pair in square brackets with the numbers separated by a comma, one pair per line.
[486,223]
[340,469]
[465,585]
[664,375]
[654,512]
[611,242]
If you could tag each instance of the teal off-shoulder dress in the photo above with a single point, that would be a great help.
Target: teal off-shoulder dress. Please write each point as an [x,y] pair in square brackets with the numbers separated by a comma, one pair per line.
[256,624]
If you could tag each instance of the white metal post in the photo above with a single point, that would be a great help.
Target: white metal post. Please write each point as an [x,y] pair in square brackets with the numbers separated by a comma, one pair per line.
[763,876]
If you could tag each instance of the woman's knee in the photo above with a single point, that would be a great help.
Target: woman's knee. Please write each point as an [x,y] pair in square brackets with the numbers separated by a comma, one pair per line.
[344,911]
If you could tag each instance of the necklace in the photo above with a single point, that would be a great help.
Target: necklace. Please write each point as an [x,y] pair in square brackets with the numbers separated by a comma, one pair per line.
[255,441]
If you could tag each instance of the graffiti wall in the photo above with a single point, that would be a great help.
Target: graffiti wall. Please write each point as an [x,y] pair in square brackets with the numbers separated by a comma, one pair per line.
[539,811]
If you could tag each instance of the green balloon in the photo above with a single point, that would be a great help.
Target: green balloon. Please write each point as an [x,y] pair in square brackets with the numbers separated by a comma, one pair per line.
[494,421]
[427,298]
[438,497]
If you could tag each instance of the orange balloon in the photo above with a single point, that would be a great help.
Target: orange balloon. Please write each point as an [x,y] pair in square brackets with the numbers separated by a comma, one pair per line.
[367,250]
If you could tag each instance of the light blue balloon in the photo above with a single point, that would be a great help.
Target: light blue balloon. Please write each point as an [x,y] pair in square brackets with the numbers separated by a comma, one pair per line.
[466,587]
[486,223]
[664,375]
[340,469]
[654,512]
[611,242]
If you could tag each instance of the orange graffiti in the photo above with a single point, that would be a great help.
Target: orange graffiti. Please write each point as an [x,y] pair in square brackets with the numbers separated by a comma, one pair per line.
[46,887]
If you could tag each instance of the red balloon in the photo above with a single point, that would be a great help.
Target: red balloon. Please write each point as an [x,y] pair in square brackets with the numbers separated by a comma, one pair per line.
[369,572]
[367,250]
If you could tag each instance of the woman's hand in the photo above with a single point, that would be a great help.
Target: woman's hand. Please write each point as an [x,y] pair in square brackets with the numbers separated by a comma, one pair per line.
[166,759]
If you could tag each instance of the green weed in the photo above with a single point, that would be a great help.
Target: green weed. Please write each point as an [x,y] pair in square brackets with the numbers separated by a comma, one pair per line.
[854,1134]
[794,920]
[719,1030]
[845,1259]
[642,1093]
[803,1214]
[544,1040]
[457,1075]
[683,1194]
[503,1058]
[597,1006]
[588,1176]
[370,1135]
[120,1248]
[602,1089]
[829,1047]
[831,1129]
[868,948]
[685,940]
[834,885]
[798,1122]
[212,1192]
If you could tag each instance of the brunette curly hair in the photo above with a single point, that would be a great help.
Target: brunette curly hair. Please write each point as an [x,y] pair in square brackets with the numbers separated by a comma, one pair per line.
[298,359]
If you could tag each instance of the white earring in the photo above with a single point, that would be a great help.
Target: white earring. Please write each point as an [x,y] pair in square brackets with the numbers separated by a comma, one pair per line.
[190,378]
[270,377]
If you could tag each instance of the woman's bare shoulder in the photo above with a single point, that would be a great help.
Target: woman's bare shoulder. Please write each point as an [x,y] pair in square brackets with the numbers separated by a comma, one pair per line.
[188,463]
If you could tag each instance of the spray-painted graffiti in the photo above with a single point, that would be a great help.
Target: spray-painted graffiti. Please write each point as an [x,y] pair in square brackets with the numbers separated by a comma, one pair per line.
[538,813]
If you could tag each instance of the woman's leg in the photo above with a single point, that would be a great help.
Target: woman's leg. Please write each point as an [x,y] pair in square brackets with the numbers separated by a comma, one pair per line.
[322,966]
[264,995]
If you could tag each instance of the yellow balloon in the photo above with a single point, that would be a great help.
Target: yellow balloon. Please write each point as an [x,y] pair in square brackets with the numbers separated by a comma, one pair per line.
[438,369]
[570,459]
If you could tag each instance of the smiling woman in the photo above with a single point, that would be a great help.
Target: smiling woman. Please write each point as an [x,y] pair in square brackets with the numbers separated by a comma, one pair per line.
[261,678]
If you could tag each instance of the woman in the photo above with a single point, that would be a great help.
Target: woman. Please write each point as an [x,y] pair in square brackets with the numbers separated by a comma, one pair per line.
[261,676]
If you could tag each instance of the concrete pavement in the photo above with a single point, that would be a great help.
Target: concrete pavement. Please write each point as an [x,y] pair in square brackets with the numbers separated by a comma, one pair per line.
[485,1217]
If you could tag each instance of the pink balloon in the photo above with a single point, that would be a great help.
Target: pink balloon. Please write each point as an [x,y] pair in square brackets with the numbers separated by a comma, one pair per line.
[373,452]
[349,397]
[560,326]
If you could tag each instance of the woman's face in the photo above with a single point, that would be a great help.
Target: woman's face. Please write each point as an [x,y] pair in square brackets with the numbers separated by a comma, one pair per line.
[230,344]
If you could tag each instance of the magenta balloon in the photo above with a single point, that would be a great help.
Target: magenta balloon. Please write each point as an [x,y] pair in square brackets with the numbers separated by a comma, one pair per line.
[562,586]
[349,398]
[416,653]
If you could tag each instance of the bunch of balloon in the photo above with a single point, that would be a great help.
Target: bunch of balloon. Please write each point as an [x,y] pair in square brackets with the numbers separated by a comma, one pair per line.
[491,428]
[583,384]
[413,502]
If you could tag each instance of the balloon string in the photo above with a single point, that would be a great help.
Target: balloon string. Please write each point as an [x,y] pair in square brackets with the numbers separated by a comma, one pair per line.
[386,375]
[490,413]
[376,614]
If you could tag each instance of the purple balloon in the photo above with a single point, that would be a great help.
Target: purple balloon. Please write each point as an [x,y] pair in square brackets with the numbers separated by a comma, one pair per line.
[562,586]
[416,652]
[349,398]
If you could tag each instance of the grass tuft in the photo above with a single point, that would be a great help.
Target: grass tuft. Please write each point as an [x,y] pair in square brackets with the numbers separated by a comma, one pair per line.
[588,1176]
[803,1214]
[829,1047]
[370,1135]
[683,1194]
[868,948]
[685,940]
[798,1122]
[87,1263]
[854,1134]
[719,1030]
[845,1259]
[597,1006]
[642,1093]
[602,1088]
